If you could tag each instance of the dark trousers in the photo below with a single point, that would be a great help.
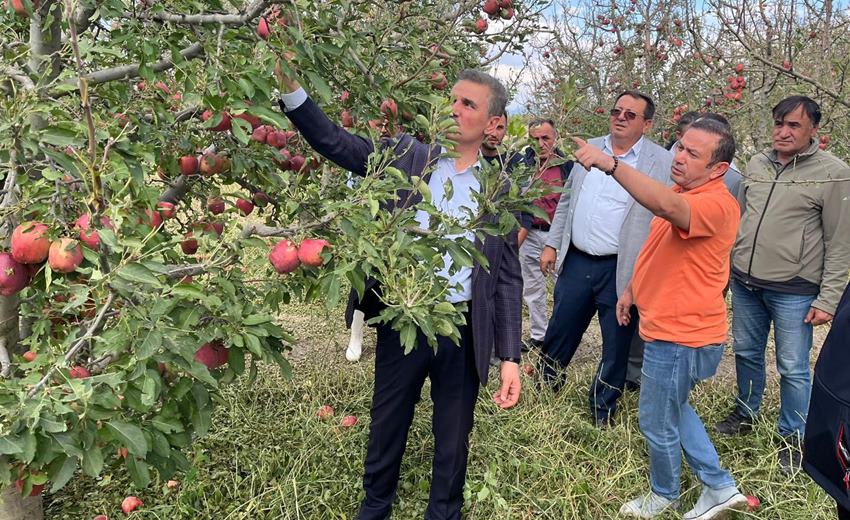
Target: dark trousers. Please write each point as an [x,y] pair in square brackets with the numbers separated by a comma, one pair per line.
[398,386]
[585,286]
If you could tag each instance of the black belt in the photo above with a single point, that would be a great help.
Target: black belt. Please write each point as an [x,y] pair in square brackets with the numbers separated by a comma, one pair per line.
[541,227]
[574,249]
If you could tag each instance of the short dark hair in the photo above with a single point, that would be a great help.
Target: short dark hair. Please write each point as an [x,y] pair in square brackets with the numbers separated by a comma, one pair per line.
[725,149]
[539,121]
[649,111]
[714,116]
[498,93]
[685,120]
[790,104]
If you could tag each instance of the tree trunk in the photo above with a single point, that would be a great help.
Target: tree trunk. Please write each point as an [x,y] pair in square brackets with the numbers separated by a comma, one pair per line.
[16,507]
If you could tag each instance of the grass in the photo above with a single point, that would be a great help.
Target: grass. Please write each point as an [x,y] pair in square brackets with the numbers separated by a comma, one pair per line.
[269,457]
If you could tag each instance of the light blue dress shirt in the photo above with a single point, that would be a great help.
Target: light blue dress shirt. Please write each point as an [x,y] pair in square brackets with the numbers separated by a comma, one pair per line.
[463,184]
[601,207]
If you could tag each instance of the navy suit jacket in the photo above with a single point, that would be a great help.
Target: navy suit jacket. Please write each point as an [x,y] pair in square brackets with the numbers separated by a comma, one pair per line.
[496,305]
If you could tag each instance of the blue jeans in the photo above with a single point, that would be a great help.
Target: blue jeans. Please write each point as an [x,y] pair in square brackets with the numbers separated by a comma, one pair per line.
[752,312]
[669,423]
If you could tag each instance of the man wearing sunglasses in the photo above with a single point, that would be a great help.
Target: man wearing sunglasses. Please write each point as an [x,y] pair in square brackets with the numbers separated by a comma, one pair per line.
[593,242]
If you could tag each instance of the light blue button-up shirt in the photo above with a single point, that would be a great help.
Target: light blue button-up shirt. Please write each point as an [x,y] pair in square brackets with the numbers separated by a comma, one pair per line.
[601,207]
[463,184]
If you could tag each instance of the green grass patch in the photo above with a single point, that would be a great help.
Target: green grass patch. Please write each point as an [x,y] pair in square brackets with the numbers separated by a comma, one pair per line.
[269,457]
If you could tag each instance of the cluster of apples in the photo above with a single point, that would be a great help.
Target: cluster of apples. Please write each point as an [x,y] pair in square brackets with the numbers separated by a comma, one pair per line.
[273,18]
[286,256]
[326,412]
[30,248]
[494,9]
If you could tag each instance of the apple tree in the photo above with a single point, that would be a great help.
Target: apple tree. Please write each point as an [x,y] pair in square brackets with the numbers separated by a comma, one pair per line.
[735,58]
[149,181]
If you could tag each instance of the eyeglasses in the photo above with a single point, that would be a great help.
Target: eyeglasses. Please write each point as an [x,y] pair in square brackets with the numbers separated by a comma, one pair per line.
[628,115]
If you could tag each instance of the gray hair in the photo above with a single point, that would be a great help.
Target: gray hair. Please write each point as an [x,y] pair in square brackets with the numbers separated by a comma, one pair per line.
[498,93]
[725,149]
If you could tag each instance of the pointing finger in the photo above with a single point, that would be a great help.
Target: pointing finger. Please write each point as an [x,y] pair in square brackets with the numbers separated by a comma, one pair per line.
[578,141]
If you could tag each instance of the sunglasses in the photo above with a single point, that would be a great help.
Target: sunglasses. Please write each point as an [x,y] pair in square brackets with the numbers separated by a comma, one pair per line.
[628,115]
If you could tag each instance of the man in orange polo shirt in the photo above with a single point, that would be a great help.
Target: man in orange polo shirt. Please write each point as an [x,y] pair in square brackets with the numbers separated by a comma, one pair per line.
[677,287]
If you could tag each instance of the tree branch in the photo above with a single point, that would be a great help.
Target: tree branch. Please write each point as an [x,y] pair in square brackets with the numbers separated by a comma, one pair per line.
[94,327]
[251,12]
[132,71]
[267,231]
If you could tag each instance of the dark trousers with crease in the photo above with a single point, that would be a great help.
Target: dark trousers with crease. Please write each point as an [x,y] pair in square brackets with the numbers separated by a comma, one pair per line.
[586,285]
[398,386]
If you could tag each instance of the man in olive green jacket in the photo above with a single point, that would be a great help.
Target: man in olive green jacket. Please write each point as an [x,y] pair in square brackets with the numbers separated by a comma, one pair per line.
[789,266]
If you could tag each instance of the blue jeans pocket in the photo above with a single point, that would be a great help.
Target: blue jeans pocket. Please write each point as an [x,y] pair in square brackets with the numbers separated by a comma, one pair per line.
[706,361]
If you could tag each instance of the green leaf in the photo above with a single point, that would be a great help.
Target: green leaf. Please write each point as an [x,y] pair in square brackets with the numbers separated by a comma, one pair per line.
[61,474]
[131,436]
[139,472]
[10,446]
[319,85]
[151,343]
[166,424]
[256,319]
[93,462]
[270,116]
[408,337]
[138,273]
[60,136]
[241,130]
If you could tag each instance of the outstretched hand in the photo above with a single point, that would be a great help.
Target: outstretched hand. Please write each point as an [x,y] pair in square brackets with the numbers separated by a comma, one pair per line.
[287,84]
[590,156]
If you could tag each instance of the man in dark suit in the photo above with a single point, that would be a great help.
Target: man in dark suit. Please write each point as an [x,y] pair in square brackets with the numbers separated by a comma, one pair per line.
[493,298]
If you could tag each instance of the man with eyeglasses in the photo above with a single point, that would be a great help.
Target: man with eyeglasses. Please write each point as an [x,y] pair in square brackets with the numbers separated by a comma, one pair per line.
[593,243]
[789,267]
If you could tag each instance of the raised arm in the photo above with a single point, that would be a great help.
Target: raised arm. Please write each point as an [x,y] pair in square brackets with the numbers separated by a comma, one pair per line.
[349,151]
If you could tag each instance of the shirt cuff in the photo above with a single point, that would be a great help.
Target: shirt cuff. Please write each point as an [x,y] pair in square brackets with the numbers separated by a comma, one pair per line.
[294,100]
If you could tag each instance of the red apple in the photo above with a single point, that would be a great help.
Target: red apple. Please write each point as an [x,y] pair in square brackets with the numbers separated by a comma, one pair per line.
[260,134]
[252,120]
[786,65]
[347,120]
[189,245]
[276,139]
[188,165]
[508,13]
[343,97]
[480,26]
[212,355]
[528,369]
[215,226]
[65,255]
[753,503]
[215,205]
[166,209]
[310,251]
[325,412]
[130,504]
[284,257]
[490,7]
[14,276]
[244,206]
[348,421]
[296,163]
[154,219]
[88,235]
[101,517]
[222,126]
[34,492]
[263,30]
[212,164]
[30,244]
[438,82]
[389,108]
[78,372]
[282,159]
[260,199]
[739,68]
[29,356]
[20,9]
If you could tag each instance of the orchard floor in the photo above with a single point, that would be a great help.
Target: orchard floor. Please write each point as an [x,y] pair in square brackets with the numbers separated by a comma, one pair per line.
[269,457]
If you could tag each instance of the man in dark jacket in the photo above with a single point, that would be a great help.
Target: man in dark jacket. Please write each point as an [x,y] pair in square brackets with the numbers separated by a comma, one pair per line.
[826,456]
[493,296]
[535,231]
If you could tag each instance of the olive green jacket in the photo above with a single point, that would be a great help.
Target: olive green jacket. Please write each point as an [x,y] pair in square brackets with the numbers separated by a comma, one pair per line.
[796,222]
